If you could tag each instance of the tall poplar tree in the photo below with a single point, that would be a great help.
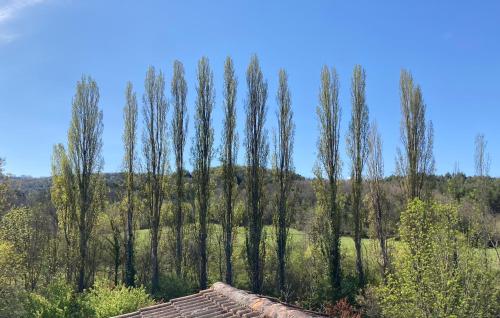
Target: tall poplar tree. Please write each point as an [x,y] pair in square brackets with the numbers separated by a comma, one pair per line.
[328,173]
[129,160]
[357,147]
[228,157]
[155,152]
[257,150]
[283,172]
[179,132]
[416,161]
[202,156]
[84,153]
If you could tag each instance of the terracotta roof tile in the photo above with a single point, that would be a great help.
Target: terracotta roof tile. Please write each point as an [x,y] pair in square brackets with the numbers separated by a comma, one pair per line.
[222,301]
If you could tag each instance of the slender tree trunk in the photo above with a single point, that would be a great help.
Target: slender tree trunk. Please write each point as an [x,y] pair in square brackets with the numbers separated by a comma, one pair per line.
[82,261]
[129,257]
[129,254]
[203,240]
[154,260]
[178,227]
[178,242]
[335,269]
[357,240]
[116,258]
[382,242]
[229,239]
[282,233]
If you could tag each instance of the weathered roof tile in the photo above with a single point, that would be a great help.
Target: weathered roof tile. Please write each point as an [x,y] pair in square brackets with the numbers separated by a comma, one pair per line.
[222,301]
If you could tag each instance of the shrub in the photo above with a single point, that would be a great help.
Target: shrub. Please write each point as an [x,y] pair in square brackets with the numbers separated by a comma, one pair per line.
[437,273]
[342,309]
[106,301]
[172,286]
[57,300]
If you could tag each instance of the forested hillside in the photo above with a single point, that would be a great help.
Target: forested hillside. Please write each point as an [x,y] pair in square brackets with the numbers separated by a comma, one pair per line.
[27,191]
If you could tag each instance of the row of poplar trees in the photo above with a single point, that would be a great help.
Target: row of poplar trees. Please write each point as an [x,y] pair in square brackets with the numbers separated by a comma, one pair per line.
[78,184]
[77,190]
[414,163]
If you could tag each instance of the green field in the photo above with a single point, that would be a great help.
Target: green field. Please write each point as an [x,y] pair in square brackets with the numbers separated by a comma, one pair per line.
[300,248]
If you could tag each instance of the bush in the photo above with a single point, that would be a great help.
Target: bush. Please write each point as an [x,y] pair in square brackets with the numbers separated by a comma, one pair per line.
[172,286]
[57,300]
[106,301]
[437,273]
[10,293]
[342,309]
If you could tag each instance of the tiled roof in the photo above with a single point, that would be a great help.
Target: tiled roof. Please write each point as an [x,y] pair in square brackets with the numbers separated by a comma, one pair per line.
[223,301]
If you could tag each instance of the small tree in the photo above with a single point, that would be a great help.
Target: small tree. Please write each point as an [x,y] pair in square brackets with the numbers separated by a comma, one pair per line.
[155,151]
[26,229]
[283,172]
[228,157]
[436,272]
[329,165]
[257,150]
[416,161]
[357,147]
[202,156]
[482,162]
[179,132]
[62,195]
[377,195]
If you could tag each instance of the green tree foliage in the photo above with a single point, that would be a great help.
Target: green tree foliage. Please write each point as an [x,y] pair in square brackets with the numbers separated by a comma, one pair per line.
[25,229]
[257,150]
[202,156]
[357,147]
[416,161]
[436,272]
[155,150]
[283,172]
[106,301]
[179,133]
[112,224]
[456,184]
[228,155]
[11,264]
[84,153]
[327,174]
[58,300]
[129,161]
[377,195]
[63,194]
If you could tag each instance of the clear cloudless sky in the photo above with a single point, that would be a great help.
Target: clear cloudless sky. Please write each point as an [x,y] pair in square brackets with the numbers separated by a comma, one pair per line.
[451,47]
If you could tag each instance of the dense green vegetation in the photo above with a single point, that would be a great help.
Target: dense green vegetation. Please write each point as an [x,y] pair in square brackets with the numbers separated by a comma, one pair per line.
[89,244]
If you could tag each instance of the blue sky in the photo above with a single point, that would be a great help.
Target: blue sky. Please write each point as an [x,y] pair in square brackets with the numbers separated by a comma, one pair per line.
[451,47]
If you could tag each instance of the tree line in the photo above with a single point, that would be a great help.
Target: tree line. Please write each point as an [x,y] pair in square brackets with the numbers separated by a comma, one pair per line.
[79,195]
[77,169]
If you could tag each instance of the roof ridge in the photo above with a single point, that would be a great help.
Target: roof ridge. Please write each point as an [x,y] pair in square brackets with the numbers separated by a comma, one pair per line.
[221,300]
[268,306]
